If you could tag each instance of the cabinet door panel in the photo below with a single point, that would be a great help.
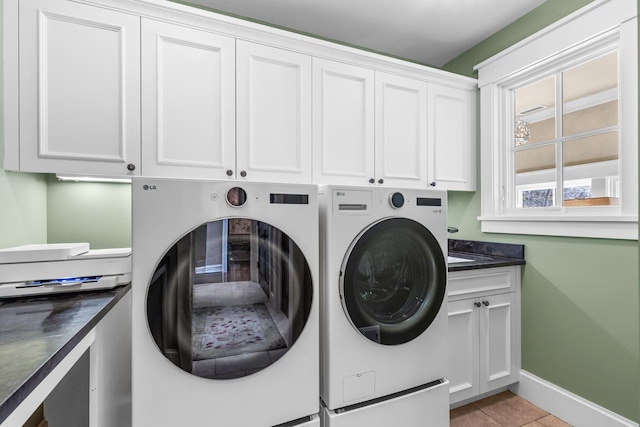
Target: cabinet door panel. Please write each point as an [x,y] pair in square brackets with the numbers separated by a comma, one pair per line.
[463,350]
[79,88]
[274,114]
[452,144]
[343,123]
[189,102]
[497,344]
[401,131]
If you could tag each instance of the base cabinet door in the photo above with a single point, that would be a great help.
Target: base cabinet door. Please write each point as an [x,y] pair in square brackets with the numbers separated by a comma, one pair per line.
[463,350]
[188,114]
[498,351]
[79,72]
[273,114]
[483,345]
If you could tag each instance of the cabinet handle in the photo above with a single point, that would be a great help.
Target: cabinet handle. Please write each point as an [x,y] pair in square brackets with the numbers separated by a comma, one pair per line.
[243,174]
[432,183]
[477,304]
[381,181]
[371,180]
[229,172]
[486,303]
[131,167]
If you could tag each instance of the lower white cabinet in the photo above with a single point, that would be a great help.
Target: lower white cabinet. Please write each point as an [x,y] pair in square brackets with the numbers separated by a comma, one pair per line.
[484,331]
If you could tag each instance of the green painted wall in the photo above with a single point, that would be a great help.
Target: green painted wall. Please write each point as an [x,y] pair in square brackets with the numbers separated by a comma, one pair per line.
[23,197]
[97,213]
[580,298]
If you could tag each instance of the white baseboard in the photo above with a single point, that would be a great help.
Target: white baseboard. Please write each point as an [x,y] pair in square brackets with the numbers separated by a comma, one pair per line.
[567,406]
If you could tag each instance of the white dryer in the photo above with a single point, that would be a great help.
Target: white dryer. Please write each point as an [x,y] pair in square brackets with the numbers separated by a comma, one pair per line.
[225,303]
[383,300]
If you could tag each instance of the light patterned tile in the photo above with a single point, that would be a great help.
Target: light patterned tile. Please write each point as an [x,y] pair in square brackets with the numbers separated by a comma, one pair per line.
[510,410]
[552,421]
[469,416]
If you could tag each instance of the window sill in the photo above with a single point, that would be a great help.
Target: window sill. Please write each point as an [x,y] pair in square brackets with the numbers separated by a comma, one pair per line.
[620,227]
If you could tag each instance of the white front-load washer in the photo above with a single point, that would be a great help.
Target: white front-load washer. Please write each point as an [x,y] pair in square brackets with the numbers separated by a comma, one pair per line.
[225,303]
[383,299]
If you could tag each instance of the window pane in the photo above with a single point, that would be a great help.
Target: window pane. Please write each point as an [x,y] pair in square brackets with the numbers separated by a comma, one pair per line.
[535,177]
[536,159]
[590,95]
[534,113]
[591,172]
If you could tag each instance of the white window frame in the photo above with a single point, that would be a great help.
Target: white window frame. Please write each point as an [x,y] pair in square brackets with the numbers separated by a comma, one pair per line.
[598,28]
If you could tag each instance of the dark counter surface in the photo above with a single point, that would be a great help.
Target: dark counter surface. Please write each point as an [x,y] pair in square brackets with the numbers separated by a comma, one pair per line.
[36,334]
[484,254]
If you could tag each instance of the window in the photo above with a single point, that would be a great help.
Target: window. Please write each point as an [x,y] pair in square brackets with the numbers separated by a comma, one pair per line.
[566,135]
[559,129]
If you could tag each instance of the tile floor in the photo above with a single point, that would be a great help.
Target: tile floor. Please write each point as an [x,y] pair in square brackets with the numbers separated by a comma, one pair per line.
[503,410]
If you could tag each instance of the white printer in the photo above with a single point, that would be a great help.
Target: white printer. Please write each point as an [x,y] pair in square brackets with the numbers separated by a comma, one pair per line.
[61,267]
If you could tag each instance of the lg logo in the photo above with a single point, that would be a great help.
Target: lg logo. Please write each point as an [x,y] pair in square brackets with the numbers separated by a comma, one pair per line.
[340,193]
[148,187]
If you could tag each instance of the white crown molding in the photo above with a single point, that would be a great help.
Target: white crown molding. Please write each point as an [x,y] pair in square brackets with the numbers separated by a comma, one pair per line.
[558,24]
[598,20]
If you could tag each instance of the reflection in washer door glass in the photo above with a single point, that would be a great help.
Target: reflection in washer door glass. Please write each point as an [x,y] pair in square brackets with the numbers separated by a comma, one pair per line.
[229,298]
[394,281]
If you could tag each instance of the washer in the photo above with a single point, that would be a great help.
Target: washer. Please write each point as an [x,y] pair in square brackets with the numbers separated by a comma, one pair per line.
[383,301]
[225,303]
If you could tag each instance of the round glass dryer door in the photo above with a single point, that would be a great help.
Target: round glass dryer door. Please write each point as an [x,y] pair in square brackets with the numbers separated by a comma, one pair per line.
[393,281]
[229,298]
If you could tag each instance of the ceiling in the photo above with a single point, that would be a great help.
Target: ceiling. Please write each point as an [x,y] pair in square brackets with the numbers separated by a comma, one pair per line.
[431,32]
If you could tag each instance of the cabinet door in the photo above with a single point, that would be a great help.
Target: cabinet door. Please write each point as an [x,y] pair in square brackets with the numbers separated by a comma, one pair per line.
[401,131]
[79,89]
[188,115]
[452,138]
[274,114]
[463,350]
[343,126]
[498,343]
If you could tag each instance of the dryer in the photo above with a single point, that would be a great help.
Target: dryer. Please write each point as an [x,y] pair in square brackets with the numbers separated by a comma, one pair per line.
[383,302]
[224,303]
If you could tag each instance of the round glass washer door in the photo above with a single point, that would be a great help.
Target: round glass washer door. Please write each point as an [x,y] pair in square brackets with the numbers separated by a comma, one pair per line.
[393,281]
[229,298]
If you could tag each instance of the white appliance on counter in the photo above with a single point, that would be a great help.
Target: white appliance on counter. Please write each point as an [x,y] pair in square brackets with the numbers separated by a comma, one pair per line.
[383,319]
[45,269]
[225,303]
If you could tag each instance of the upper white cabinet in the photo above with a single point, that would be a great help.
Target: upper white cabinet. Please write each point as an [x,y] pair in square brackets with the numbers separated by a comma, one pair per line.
[370,128]
[401,131]
[188,93]
[343,123]
[132,87]
[273,114]
[79,90]
[452,138]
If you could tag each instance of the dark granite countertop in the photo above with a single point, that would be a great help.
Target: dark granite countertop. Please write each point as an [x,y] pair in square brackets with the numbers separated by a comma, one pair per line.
[37,333]
[484,254]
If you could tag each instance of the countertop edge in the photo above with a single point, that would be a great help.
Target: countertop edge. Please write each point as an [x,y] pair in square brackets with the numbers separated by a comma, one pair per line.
[484,254]
[477,265]
[27,387]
